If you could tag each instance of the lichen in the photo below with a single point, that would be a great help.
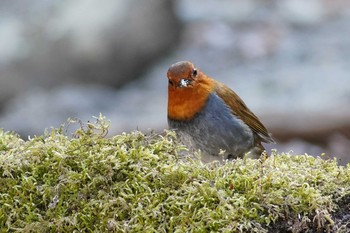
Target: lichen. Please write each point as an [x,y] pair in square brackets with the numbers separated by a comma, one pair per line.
[140,182]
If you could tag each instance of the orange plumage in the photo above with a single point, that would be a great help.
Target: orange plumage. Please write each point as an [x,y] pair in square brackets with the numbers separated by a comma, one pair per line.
[210,116]
[184,103]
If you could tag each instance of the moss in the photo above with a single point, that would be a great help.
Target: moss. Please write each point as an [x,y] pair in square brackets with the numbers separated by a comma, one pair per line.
[137,182]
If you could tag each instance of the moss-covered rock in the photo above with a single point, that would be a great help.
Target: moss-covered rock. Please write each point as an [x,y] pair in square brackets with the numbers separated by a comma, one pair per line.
[136,182]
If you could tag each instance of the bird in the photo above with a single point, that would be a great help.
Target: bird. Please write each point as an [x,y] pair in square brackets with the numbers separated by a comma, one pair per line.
[209,117]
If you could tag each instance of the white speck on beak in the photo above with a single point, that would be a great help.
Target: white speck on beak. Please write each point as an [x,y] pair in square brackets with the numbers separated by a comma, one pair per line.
[183,83]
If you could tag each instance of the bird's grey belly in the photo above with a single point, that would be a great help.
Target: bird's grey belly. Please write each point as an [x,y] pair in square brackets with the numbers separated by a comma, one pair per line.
[213,129]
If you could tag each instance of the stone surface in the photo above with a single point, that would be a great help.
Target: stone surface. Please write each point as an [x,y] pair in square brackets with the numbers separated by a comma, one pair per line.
[52,43]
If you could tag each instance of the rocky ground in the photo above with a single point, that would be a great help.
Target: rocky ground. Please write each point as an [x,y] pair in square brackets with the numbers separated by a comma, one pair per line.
[289,61]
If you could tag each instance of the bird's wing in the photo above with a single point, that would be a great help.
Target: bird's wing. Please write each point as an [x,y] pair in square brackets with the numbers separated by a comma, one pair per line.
[240,109]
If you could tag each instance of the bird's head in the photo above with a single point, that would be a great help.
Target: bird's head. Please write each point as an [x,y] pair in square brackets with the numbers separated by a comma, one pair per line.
[188,90]
[182,74]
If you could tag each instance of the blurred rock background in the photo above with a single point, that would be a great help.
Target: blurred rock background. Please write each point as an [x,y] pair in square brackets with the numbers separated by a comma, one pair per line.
[288,59]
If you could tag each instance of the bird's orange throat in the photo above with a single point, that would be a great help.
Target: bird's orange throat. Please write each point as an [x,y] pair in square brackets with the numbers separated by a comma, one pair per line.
[185,103]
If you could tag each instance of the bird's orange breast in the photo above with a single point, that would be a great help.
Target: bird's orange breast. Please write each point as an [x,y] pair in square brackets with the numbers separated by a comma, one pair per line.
[184,103]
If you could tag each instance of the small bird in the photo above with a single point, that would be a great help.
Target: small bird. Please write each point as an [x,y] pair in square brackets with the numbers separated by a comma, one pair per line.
[209,116]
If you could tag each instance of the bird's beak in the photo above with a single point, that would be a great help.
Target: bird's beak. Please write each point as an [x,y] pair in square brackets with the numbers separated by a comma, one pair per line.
[183,83]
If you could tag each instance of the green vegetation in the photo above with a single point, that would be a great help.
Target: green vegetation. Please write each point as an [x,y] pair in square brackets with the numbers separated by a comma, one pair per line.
[141,183]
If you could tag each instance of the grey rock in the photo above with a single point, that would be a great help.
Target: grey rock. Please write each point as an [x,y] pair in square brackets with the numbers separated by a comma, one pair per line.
[55,43]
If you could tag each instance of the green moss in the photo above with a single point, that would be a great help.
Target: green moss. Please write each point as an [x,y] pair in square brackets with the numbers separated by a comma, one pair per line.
[136,182]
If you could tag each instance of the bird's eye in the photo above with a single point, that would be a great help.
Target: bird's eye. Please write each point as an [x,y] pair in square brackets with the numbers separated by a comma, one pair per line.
[171,82]
[194,73]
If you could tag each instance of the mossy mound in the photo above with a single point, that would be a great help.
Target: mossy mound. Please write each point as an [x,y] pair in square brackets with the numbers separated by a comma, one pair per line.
[136,182]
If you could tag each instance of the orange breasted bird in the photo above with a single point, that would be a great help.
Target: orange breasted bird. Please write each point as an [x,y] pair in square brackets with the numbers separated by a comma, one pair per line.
[209,116]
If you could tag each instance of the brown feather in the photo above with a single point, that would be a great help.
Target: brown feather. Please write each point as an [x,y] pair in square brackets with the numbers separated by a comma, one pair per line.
[240,109]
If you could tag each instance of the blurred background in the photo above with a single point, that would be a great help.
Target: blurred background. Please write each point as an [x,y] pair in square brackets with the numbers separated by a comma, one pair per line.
[289,60]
